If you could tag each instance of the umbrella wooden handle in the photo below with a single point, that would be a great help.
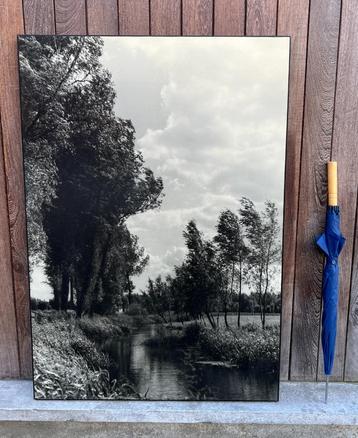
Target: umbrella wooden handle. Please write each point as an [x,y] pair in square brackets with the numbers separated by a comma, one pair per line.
[332,183]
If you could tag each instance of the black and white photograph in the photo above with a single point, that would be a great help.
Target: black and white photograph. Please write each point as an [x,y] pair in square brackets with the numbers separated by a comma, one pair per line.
[154,176]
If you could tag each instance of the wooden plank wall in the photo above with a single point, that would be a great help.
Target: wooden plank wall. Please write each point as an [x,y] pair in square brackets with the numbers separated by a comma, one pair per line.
[322,123]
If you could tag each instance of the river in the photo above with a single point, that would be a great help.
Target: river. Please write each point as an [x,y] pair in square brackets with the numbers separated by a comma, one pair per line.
[177,374]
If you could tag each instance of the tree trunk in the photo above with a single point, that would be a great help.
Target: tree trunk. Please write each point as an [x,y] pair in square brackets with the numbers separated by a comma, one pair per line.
[210,319]
[264,311]
[129,288]
[225,316]
[64,290]
[264,296]
[72,300]
[260,294]
[240,290]
[100,246]
[56,284]
[170,318]
[229,295]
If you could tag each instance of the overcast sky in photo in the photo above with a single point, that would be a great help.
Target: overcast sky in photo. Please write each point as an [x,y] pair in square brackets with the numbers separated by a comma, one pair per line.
[210,119]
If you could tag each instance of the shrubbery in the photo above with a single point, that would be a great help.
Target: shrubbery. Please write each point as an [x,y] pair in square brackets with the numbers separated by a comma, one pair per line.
[100,327]
[87,349]
[136,309]
[249,345]
[67,365]
[244,347]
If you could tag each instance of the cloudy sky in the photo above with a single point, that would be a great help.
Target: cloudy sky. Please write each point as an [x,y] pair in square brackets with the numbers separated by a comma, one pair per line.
[210,117]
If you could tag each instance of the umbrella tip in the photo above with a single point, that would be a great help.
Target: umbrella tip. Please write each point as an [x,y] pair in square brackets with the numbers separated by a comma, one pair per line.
[326,391]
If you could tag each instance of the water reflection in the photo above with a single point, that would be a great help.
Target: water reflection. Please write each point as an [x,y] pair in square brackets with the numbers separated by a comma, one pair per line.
[179,374]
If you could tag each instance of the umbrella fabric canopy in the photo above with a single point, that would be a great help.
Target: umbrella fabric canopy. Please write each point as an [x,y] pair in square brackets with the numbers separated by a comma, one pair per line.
[331,243]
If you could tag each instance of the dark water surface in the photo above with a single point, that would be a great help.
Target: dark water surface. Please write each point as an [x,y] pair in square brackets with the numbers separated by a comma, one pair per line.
[179,374]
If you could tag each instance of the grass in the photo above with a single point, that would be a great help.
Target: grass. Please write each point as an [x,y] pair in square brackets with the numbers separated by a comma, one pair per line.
[248,346]
[68,365]
[245,347]
[246,318]
[99,328]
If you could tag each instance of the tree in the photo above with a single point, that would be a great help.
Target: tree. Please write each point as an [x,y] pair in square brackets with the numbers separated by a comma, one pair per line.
[84,175]
[157,298]
[205,279]
[232,253]
[179,285]
[51,69]
[262,233]
[124,259]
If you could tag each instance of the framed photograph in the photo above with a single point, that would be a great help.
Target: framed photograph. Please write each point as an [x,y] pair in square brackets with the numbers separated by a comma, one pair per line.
[154,174]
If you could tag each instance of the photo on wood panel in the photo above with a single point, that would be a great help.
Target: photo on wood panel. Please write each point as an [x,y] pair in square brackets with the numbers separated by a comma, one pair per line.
[154,174]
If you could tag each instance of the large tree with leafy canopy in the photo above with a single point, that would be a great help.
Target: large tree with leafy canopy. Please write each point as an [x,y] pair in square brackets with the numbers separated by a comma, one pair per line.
[203,272]
[51,68]
[84,177]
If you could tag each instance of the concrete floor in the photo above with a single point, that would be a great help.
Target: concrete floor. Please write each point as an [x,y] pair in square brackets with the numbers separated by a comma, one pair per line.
[300,412]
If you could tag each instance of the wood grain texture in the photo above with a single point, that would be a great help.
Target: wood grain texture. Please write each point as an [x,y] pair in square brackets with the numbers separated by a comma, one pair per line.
[102,17]
[351,368]
[70,17]
[9,354]
[316,151]
[39,17]
[11,24]
[165,17]
[345,151]
[134,18]
[197,17]
[292,21]
[229,17]
[261,17]
[305,199]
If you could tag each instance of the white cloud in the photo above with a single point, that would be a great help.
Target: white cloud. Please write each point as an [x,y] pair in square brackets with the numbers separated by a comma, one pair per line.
[210,115]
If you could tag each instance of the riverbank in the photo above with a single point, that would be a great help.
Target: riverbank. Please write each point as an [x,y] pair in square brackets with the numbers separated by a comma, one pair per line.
[248,346]
[67,362]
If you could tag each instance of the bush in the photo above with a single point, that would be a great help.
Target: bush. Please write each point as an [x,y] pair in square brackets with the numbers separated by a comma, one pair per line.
[192,332]
[87,349]
[136,309]
[44,316]
[252,327]
[37,304]
[245,347]
[99,328]
[68,366]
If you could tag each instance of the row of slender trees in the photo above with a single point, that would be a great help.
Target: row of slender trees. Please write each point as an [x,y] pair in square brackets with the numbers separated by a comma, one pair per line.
[84,177]
[244,251]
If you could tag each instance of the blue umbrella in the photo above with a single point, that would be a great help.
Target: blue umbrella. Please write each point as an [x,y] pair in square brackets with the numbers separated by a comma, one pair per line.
[331,243]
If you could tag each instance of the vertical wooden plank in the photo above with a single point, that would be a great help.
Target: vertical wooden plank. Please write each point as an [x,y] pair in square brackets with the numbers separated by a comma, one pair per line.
[165,17]
[102,17]
[229,17]
[70,17]
[292,21]
[134,17]
[345,151]
[9,355]
[11,24]
[261,16]
[39,17]
[197,17]
[351,363]
[316,151]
